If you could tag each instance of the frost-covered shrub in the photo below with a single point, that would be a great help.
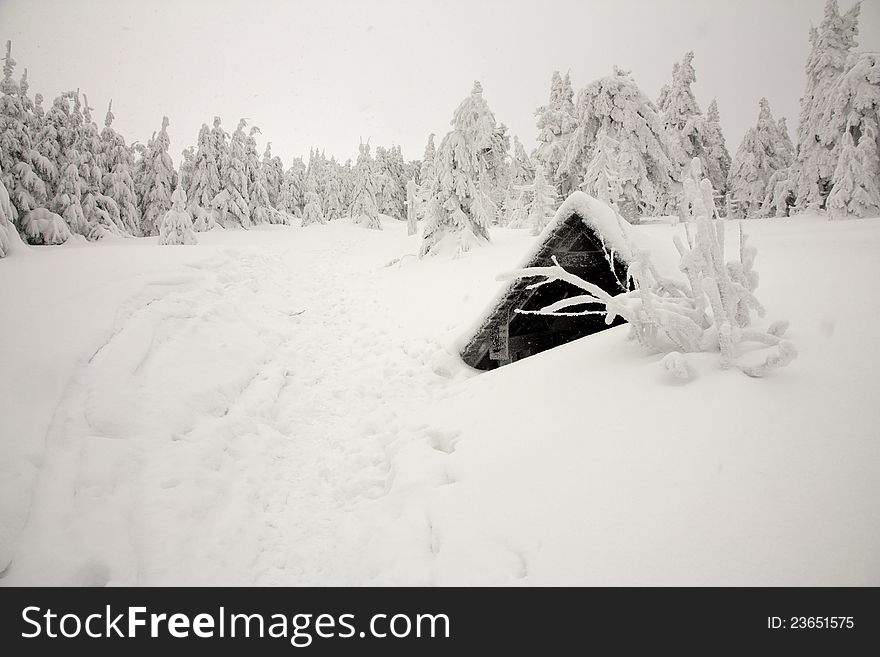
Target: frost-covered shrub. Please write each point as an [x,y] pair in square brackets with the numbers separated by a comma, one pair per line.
[711,312]
[41,226]
[177,226]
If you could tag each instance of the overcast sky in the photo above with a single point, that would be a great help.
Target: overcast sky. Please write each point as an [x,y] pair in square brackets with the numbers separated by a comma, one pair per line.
[327,73]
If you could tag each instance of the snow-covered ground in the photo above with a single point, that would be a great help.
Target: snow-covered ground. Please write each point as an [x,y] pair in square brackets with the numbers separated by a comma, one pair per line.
[283,406]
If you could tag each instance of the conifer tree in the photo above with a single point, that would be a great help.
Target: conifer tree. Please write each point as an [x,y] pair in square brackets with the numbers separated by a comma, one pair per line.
[236,180]
[556,125]
[187,167]
[117,179]
[312,213]
[856,191]
[603,178]
[460,210]
[761,154]
[205,184]
[411,220]
[818,149]
[259,205]
[273,172]
[646,158]
[541,202]
[716,149]
[158,181]
[333,204]
[176,226]
[23,181]
[426,177]
[363,196]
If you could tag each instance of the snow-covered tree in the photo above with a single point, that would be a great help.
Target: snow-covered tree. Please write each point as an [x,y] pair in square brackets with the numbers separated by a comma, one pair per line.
[236,181]
[158,181]
[541,202]
[556,125]
[761,154]
[205,184]
[647,160]
[117,181]
[220,150]
[363,196]
[412,226]
[856,191]
[333,203]
[716,148]
[460,210]
[290,200]
[273,171]
[390,197]
[187,167]
[426,177]
[101,212]
[603,177]
[852,110]
[522,172]
[23,175]
[259,205]
[8,234]
[312,213]
[177,225]
[818,148]
[696,134]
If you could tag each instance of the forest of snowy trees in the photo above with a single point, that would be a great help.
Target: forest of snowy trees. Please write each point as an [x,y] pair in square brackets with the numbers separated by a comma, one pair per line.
[61,175]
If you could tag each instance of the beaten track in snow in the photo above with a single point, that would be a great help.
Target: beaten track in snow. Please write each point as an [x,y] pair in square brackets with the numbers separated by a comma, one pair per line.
[252,420]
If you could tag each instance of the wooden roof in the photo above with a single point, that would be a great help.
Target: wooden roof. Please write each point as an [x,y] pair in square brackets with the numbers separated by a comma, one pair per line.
[577,247]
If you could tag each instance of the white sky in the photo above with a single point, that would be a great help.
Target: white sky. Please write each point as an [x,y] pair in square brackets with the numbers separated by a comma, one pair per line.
[326,73]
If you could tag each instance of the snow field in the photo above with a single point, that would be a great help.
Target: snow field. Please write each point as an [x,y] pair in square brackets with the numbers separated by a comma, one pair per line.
[285,406]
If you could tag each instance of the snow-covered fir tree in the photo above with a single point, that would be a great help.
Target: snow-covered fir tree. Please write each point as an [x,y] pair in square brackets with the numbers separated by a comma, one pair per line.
[177,226]
[522,172]
[856,191]
[117,182]
[603,178]
[426,177]
[556,125]
[8,234]
[237,202]
[851,116]
[259,205]
[412,226]
[273,172]
[761,154]
[101,212]
[363,207]
[818,149]
[346,179]
[541,202]
[291,199]
[687,125]
[646,159]
[23,175]
[312,213]
[716,147]
[158,181]
[460,210]
[220,149]
[333,206]
[205,184]
[187,167]
[391,192]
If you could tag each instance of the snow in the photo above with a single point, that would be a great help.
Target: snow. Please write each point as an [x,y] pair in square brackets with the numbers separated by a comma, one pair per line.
[280,406]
